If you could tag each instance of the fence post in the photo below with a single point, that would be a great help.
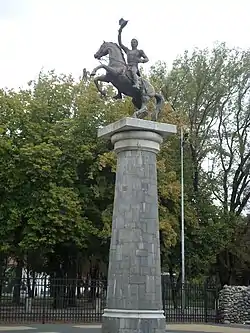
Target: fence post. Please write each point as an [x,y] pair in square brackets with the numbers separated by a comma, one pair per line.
[216,305]
[205,302]
[28,303]
[44,299]
[163,294]
[98,300]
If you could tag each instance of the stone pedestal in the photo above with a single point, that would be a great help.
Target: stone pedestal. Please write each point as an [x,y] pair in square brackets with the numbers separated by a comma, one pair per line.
[134,296]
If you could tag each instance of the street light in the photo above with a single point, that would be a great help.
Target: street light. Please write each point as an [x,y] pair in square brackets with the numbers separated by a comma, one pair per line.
[182,225]
[182,212]
[183,277]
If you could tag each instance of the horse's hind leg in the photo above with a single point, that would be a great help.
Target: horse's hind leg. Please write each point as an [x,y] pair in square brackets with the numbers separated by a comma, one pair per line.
[137,103]
[143,110]
[159,105]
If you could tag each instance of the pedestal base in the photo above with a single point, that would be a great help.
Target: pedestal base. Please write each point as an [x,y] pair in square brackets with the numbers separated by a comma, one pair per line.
[133,321]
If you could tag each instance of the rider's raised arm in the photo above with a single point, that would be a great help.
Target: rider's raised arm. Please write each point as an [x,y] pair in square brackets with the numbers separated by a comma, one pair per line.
[125,49]
[143,55]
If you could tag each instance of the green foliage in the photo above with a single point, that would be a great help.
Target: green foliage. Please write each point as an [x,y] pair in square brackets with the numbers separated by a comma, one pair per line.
[57,179]
[209,92]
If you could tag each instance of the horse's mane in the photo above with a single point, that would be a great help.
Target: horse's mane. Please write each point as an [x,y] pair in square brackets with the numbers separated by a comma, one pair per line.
[119,50]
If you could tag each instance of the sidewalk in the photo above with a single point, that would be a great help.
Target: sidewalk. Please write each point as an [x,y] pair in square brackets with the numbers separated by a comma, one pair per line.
[207,328]
[171,328]
[194,328]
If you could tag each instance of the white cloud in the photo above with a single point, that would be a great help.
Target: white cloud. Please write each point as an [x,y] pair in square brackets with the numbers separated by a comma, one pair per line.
[64,34]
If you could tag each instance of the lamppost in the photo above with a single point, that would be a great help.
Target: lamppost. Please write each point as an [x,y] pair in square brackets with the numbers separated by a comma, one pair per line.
[183,274]
[182,213]
[182,225]
[183,278]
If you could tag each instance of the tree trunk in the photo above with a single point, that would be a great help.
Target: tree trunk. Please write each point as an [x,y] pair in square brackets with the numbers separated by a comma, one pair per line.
[2,273]
[18,282]
[72,284]
[223,271]
[94,274]
[58,289]
[31,287]
[175,287]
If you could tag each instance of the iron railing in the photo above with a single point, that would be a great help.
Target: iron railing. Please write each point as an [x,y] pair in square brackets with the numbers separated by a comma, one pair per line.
[191,303]
[47,300]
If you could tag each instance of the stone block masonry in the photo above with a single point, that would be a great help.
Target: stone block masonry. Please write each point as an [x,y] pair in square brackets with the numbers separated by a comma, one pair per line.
[134,297]
[234,305]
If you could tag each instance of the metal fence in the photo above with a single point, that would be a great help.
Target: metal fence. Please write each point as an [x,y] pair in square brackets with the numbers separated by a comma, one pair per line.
[47,300]
[191,303]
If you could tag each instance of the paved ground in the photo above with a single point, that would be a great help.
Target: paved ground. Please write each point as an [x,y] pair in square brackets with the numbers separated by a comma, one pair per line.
[181,328]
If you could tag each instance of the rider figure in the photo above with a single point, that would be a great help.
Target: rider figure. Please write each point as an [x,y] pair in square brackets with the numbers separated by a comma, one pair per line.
[134,57]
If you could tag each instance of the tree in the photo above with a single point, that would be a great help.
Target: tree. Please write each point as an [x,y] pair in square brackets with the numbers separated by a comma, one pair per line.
[210,90]
[229,176]
[57,179]
[53,187]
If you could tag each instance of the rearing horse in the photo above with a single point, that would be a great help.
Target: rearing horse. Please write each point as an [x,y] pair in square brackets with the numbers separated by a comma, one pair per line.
[120,77]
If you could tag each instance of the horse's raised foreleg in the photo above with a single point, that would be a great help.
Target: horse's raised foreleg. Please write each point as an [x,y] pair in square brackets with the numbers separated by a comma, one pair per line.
[101,78]
[109,70]
[93,73]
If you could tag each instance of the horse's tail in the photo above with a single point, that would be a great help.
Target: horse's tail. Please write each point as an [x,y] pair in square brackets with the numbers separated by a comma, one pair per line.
[159,105]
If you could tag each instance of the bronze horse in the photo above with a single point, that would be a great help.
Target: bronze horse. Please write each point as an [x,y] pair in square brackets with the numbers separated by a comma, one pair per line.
[119,76]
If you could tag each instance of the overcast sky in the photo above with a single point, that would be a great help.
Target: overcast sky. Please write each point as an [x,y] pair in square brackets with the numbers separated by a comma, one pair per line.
[64,34]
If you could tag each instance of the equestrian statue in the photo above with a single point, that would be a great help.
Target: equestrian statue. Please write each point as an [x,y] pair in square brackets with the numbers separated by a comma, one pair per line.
[126,76]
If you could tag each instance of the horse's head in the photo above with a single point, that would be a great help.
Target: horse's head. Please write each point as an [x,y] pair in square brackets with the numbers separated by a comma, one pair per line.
[103,51]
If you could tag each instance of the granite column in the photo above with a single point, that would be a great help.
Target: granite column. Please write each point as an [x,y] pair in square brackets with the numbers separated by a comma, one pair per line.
[134,295]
